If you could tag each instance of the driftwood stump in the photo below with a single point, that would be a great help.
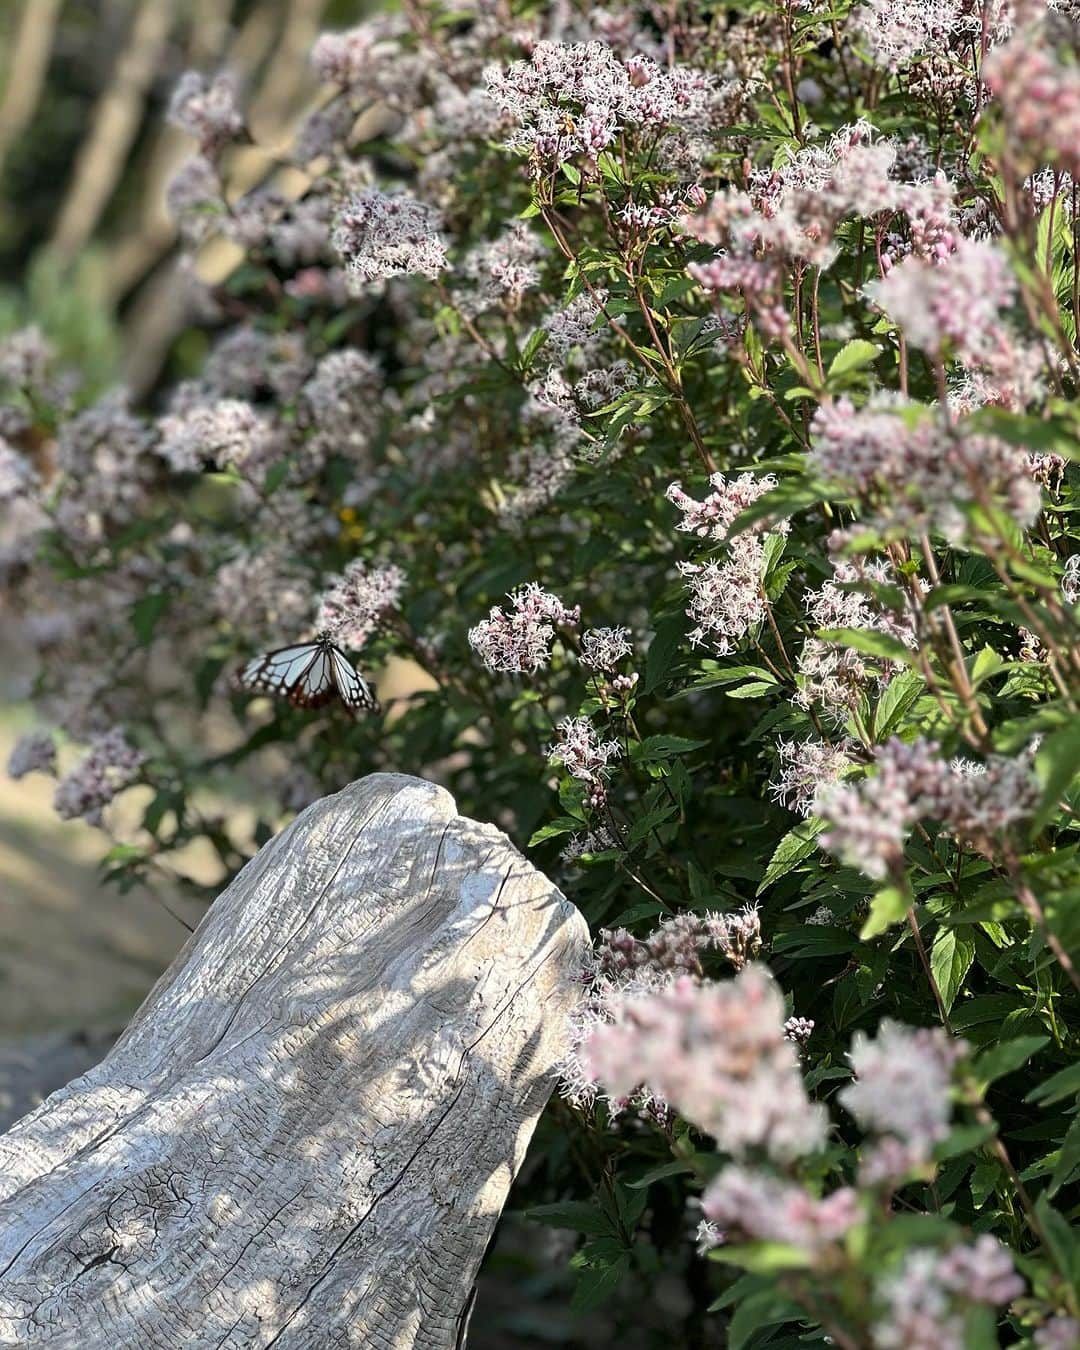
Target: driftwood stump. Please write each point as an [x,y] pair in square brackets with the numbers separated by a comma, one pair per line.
[307,1133]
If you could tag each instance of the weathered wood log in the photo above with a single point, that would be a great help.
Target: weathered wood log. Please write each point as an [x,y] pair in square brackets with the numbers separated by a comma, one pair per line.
[306,1135]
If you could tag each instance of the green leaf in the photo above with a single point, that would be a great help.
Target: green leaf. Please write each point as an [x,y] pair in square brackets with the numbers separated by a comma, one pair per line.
[564,825]
[797,845]
[765,1308]
[276,475]
[870,643]
[889,906]
[1006,1057]
[814,940]
[532,345]
[1064,1083]
[1060,1238]
[962,1139]
[985,1179]
[856,354]
[764,1258]
[1068,1160]
[1051,436]
[664,747]
[668,1169]
[145,613]
[663,649]
[899,695]
[644,825]
[597,1283]
[122,853]
[987,664]
[950,960]
[577,1215]
[1057,764]
[757,689]
[777,505]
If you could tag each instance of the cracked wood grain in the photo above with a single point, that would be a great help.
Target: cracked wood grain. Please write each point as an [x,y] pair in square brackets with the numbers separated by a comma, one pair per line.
[307,1133]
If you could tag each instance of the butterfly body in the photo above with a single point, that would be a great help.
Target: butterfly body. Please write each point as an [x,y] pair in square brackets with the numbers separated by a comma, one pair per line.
[310,675]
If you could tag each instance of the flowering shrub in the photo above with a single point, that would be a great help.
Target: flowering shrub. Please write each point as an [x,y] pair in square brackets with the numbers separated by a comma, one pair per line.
[683,399]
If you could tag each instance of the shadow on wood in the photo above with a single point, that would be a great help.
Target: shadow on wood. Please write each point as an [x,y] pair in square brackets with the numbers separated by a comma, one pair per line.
[306,1135]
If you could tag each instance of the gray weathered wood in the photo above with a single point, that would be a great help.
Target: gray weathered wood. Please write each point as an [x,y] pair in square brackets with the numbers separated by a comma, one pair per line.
[307,1133]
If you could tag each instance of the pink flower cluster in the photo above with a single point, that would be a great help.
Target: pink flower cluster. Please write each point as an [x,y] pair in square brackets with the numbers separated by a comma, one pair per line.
[34,752]
[225,433]
[718,1054]
[727,599]
[571,100]
[676,947]
[958,301]
[207,110]
[604,648]
[805,769]
[833,677]
[110,766]
[501,271]
[917,473]
[384,235]
[869,821]
[1039,97]
[584,756]
[519,640]
[751,1204]
[924,1302]
[901,1095]
[351,607]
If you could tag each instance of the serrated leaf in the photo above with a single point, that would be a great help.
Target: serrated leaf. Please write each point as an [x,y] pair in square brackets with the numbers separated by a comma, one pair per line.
[766,1308]
[1064,1083]
[870,642]
[962,1139]
[950,960]
[898,697]
[764,1258]
[777,505]
[757,689]
[668,1169]
[853,356]
[889,906]
[798,844]
[577,1215]
[1068,1159]
[1060,1238]
[597,1283]
[1057,764]
[564,825]
[1006,1057]
[663,649]
[664,746]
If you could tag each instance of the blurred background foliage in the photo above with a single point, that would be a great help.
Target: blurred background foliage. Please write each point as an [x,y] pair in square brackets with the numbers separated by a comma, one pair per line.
[87,249]
[88,254]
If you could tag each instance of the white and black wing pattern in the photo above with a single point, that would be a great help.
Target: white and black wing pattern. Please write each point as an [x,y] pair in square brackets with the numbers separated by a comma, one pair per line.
[300,673]
[354,690]
[309,674]
[315,687]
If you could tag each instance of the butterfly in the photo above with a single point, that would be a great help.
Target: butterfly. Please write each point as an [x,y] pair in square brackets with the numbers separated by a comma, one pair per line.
[309,674]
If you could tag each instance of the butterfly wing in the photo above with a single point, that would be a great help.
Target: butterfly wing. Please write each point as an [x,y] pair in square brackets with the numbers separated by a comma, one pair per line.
[315,686]
[354,690]
[278,671]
